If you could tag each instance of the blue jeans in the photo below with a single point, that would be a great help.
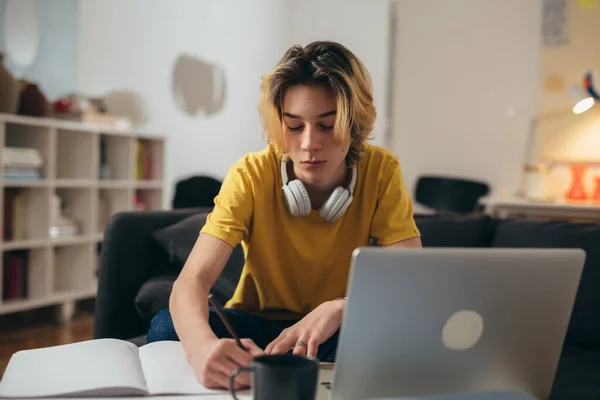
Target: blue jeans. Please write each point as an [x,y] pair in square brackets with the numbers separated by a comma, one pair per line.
[261,330]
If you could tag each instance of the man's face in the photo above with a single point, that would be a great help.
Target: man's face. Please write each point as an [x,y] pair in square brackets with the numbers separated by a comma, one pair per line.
[309,114]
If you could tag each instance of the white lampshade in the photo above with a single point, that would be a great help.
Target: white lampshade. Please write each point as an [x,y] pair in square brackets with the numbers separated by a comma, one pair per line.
[583,105]
[583,101]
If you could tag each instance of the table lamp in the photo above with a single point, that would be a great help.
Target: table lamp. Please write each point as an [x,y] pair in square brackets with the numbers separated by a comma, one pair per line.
[588,84]
[583,98]
[577,191]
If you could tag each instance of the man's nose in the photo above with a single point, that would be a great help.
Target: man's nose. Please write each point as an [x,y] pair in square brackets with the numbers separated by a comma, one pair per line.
[311,139]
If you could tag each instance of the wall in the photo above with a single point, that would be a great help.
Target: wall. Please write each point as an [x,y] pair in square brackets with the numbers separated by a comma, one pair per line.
[360,25]
[564,137]
[458,71]
[133,47]
[460,67]
[136,54]
[52,27]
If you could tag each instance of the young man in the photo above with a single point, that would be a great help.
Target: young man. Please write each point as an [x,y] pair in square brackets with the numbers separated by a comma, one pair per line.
[299,207]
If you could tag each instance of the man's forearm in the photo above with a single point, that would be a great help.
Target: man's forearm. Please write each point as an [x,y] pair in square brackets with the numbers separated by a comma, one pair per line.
[189,310]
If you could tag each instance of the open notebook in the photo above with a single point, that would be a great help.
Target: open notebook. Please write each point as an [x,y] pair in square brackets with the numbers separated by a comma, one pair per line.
[101,367]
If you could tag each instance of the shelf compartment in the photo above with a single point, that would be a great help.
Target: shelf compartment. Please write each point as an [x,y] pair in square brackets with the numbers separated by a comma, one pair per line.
[73,240]
[25,275]
[27,138]
[115,157]
[74,155]
[72,268]
[75,183]
[67,156]
[110,202]
[147,199]
[23,305]
[114,184]
[24,244]
[77,206]
[148,159]
[148,184]
[26,184]
[25,214]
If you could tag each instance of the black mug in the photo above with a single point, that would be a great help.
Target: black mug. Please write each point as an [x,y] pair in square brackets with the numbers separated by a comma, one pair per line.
[277,377]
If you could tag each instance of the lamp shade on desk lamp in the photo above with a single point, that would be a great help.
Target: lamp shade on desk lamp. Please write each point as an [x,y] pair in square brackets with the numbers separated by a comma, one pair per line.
[534,172]
[583,101]
[588,84]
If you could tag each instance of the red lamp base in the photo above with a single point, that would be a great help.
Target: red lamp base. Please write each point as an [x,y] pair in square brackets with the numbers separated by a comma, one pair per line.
[577,190]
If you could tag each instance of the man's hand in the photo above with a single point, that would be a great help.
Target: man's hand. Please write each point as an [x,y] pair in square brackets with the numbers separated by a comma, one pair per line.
[214,362]
[312,330]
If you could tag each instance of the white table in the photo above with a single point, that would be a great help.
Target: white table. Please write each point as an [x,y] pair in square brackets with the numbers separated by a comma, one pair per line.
[542,209]
[325,375]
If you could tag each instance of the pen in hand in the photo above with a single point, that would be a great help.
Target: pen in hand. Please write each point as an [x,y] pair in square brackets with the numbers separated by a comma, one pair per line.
[225,321]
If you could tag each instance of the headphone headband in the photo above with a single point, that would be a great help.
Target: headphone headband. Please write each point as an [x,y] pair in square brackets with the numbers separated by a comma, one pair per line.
[298,202]
[353,181]
[285,178]
[284,174]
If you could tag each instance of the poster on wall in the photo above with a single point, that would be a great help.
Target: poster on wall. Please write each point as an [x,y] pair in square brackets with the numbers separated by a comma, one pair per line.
[587,3]
[555,19]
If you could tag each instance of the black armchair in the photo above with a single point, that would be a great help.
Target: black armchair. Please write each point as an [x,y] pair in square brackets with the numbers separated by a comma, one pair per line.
[450,195]
[129,259]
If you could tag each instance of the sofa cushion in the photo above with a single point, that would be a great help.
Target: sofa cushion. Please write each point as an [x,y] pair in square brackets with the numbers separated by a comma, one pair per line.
[455,231]
[578,375]
[177,241]
[153,296]
[584,327]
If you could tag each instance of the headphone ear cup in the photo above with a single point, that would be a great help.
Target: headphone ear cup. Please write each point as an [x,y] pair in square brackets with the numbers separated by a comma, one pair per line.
[301,197]
[342,209]
[335,204]
[291,202]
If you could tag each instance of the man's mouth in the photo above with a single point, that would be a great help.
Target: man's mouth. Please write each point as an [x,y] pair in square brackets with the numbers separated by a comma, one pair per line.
[313,162]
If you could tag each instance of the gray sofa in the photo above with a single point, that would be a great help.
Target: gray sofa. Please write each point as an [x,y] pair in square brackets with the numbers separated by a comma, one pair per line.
[144,251]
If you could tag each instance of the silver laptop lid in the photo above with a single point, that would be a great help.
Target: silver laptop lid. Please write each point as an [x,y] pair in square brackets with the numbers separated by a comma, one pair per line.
[433,320]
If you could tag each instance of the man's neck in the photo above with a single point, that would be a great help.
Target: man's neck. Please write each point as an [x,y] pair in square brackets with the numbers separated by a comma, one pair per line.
[319,193]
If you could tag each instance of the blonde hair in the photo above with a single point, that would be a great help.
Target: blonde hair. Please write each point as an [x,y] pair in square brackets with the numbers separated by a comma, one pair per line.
[331,65]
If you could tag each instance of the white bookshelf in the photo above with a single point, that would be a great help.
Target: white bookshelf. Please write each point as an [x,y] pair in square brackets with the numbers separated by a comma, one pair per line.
[62,271]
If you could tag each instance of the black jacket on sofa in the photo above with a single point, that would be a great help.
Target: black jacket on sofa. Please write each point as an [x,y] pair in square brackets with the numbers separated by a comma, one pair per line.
[143,252]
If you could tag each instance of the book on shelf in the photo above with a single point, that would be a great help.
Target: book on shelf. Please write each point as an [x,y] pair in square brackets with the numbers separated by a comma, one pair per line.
[15,214]
[139,204]
[21,157]
[98,260]
[14,275]
[105,171]
[101,368]
[20,163]
[23,173]
[144,162]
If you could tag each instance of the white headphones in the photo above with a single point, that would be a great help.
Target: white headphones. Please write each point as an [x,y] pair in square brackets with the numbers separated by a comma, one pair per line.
[298,202]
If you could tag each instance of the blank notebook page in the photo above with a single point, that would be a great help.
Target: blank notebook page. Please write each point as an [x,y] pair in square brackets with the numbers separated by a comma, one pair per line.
[168,371]
[74,368]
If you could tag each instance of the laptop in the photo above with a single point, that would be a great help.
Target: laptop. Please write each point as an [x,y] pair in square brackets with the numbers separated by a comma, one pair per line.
[434,321]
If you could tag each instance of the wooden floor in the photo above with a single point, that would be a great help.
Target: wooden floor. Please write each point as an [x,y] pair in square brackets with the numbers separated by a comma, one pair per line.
[35,329]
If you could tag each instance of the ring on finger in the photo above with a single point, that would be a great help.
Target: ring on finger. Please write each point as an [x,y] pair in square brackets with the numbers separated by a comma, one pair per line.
[301,343]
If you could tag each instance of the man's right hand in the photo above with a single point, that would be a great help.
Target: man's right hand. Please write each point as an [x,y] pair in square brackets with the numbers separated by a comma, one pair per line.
[215,360]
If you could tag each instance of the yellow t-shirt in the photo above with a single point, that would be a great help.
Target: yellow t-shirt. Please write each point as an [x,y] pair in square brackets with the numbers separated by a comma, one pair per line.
[293,264]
